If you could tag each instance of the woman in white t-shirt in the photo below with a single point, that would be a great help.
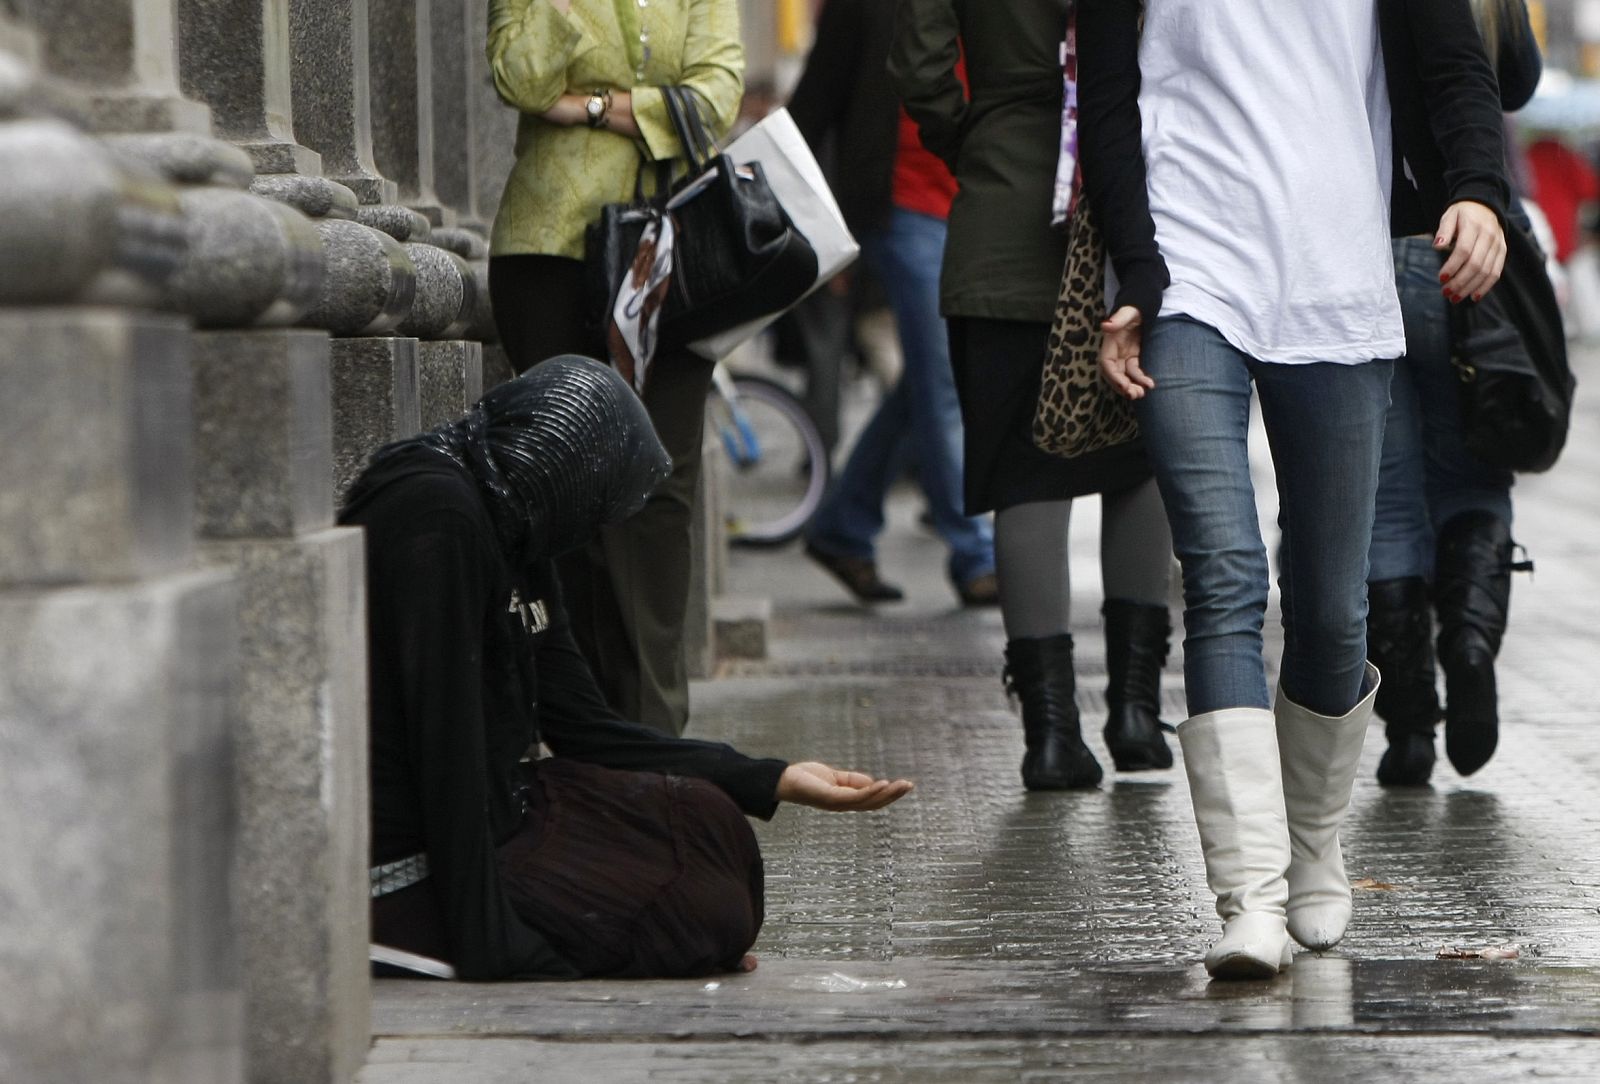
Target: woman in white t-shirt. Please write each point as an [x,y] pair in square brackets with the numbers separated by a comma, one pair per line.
[1248,162]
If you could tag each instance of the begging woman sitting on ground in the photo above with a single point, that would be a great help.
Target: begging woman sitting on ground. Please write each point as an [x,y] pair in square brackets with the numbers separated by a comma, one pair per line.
[626,852]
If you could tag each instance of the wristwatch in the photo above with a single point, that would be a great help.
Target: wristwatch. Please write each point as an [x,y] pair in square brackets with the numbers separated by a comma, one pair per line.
[597,108]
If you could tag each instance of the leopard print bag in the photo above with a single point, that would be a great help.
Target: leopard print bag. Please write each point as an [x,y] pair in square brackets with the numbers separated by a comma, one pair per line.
[1078,413]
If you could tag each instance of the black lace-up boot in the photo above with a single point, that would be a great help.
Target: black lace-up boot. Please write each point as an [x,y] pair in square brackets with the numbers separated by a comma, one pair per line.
[1400,645]
[1039,675]
[1136,650]
[1472,595]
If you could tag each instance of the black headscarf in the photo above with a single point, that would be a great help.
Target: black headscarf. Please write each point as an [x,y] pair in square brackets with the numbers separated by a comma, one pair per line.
[559,452]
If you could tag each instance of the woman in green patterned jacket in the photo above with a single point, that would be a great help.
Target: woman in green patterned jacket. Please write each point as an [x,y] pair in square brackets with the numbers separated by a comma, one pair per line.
[586,77]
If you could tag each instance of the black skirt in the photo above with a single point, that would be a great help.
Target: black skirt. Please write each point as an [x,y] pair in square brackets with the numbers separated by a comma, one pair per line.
[997,366]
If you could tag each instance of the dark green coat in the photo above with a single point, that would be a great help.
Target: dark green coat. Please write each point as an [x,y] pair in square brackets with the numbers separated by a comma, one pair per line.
[1003,259]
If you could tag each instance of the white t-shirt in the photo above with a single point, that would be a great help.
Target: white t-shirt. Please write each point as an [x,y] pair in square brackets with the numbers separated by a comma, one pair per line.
[1266,139]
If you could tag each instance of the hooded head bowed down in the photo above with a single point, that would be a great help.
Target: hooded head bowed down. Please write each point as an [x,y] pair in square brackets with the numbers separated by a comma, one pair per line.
[559,452]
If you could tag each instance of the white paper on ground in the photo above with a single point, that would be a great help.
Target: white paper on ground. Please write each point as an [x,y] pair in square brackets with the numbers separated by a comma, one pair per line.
[410,961]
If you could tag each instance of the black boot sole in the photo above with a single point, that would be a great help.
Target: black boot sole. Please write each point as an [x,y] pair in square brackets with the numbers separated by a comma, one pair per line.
[1083,773]
[1152,756]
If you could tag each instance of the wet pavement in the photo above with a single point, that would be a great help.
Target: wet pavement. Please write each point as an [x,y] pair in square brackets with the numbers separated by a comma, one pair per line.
[975,932]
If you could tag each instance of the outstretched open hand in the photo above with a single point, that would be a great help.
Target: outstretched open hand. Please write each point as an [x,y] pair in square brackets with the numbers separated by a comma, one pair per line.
[818,785]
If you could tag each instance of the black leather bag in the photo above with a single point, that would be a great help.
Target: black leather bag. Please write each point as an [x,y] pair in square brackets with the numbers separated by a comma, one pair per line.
[1510,351]
[737,256]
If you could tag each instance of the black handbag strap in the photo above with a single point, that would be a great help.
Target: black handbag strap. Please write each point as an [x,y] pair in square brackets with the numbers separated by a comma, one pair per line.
[684,110]
[663,171]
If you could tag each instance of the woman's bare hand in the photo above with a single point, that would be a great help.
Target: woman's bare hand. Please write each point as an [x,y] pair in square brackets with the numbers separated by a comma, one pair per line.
[1472,234]
[1119,353]
[827,788]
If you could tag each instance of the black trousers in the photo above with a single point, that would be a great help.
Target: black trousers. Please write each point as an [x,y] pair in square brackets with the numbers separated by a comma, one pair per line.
[627,591]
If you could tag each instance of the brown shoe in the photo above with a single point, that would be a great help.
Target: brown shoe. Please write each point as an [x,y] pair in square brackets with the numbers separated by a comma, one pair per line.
[859,576]
[981,590]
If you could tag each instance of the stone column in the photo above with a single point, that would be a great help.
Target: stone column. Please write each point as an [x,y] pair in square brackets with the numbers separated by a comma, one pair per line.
[375,389]
[234,56]
[330,92]
[453,25]
[125,53]
[399,58]
[116,666]
[264,506]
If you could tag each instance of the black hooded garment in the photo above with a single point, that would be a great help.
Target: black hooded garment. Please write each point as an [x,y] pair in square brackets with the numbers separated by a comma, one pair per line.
[470,656]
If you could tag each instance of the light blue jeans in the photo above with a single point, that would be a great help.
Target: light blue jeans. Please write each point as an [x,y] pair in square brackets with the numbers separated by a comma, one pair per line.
[1324,425]
[1428,476]
[920,418]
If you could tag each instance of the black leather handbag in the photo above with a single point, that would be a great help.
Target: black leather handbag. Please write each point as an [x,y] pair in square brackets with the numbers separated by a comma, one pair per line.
[737,256]
[1510,351]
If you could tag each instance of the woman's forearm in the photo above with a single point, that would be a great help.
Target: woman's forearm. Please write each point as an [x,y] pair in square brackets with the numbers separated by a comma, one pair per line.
[572,110]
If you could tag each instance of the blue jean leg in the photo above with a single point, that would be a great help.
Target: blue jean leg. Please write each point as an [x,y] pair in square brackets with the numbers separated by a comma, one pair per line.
[922,415]
[1195,423]
[1325,427]
[1428,475]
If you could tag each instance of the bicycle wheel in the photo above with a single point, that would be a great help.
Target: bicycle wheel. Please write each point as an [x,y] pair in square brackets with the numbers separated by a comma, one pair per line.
[778,465]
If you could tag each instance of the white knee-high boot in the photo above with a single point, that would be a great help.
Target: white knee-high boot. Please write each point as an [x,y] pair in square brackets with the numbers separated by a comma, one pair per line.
[1320,754]
[1231,758]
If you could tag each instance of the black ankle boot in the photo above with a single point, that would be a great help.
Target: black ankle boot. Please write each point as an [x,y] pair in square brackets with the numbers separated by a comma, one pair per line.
[1039,674]
[1136,650]
[1400,645]
[1472,594]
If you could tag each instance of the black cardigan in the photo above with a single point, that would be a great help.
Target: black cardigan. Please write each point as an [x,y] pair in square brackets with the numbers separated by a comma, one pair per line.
[471,663]
[1446,127]
[845,96]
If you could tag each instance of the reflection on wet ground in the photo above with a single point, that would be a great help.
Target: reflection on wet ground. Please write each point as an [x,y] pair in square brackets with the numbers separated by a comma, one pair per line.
[979,933]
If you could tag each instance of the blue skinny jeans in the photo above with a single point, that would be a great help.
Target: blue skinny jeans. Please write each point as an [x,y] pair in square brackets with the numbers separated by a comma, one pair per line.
[1324,426]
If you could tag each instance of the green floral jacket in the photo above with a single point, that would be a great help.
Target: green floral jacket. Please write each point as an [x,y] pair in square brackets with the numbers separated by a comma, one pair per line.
[563,176]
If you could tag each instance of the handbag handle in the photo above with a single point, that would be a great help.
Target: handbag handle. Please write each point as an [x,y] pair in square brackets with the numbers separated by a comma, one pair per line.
[684,111]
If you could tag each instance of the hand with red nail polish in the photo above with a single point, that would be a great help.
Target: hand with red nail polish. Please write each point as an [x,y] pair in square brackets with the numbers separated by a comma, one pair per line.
[1472,233]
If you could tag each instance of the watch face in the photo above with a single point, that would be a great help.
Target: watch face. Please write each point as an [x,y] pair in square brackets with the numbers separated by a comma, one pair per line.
[595,107]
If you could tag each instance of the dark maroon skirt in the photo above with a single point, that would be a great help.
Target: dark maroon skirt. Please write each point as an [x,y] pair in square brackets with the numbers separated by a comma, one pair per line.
[626,874]
[633,874]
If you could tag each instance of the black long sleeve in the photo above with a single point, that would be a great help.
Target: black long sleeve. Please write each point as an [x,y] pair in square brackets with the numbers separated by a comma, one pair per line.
[575,721]
[1110,138]
[1463,101]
